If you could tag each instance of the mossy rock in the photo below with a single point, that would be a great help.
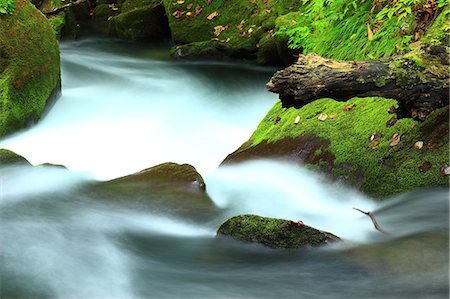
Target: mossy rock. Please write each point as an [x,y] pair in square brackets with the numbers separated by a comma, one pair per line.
[193,23]
[340,145]
[273,232]
[145,23]
[30,62]
[103,11]
[171,188]
[8,158]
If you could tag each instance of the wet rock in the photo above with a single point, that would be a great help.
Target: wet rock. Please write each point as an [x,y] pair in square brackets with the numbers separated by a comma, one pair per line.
[275,233]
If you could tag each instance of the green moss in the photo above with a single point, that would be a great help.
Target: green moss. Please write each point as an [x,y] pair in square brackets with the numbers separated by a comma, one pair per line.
[272,232]
[103,12]
[57,22]
[32,72]
[387,170]
[8,157]
[148,22]
[246,22]
[439,32]
[134,4]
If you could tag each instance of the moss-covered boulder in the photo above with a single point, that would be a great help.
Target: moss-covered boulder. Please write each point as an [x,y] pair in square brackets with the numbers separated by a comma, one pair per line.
[226,28]
[272,232]
[29,67]
[359,142]
[169,188]
[8,158]
[137,22]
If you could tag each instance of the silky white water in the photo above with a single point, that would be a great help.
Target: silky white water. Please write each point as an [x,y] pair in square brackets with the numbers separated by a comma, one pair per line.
[127,107]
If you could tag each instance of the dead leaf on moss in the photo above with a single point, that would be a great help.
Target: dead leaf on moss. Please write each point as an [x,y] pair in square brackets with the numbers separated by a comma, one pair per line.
[348,107]
[180,1]
[218,29]
[444,170]
[391,122]
[334,116]
[297,119]
[418,144]
[213,15]
[369,33]
[425,166]
[178,14]
[374,144]
[392,109]
[395,140]
[189,6]
[432,145]
[322,116]
[277,120]
[198,10]
[375,136]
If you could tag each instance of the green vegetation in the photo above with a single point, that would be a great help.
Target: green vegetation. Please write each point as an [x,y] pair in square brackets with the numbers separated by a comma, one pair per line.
[7,6]
[30,67]
[8,157]
[361,29]
[387,169]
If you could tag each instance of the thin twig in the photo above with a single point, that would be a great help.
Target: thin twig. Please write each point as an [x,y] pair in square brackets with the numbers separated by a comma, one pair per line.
[374,221]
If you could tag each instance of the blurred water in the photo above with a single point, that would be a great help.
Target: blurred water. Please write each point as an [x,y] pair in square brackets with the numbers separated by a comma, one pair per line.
[125,108]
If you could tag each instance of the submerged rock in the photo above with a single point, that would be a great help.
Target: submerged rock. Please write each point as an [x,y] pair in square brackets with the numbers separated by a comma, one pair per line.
[272,232]
[29,67]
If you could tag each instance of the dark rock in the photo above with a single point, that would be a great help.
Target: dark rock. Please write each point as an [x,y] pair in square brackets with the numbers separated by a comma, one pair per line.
[272,232]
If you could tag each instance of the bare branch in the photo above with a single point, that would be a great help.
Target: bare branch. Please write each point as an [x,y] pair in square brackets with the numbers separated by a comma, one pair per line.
[62,8]
[374,221]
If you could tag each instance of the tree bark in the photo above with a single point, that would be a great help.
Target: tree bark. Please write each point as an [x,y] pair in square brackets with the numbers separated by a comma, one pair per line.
[417,80]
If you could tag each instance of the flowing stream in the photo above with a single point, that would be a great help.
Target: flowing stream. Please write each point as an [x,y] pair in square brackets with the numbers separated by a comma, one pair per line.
[127,107]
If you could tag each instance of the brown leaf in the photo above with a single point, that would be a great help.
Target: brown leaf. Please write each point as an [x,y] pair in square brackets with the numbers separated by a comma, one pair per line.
[392,109]
[198,10]
[375,136]
[391,122]
[413,125]
[218,29]
[395,140]
[239,27]
[277,120]
[374,144]
[348,107]
[432,145]
[322,116]
[178,14]
[189,6]
[418,144]
[369,33]
[208,1]
[334,115]
[425,166]
[213,15]
[444,170]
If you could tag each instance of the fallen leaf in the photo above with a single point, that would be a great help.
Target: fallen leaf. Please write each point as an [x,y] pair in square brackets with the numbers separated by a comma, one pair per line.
[334,116]
[374,144]
[189,13]
[425,166]
[418,144]
[444,170]
[178,14]
[391,122]
[392,109]
[297,119]
[413,125]
[198,10]
[395,140]
[208,1]
[180,1]
[240,26]
[322,116]
[369,33]
[218,29]
[277,120]
[348,107]
[189,6]
[215,39]
[250,31]
[375,136]
[213,15]
[432,145]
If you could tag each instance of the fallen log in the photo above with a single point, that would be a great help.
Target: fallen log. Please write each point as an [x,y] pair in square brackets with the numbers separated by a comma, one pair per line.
[62,8]
[417,80]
